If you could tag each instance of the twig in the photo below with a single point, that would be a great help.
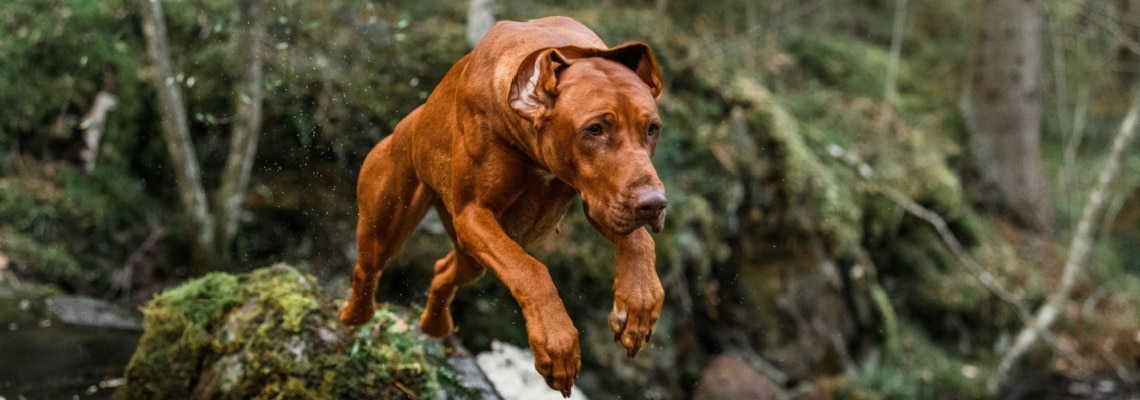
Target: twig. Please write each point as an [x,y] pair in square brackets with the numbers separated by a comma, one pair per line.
[980,273]
[882,303]
[404,388]
[1108,222]
[151,240]
[1112,26]
[125,274]
[890,93]
[1078,249]
[1122,371]
[984,276]
[1062,85]
[92,125]
[1080,118]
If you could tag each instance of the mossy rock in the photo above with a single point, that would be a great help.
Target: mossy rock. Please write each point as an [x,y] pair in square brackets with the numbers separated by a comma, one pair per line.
[271,333]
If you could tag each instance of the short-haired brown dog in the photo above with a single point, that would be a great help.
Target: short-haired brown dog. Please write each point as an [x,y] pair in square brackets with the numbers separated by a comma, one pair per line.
[537,113]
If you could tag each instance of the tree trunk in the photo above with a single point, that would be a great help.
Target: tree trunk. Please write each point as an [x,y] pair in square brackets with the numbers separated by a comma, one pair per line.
[1005,112]
[480,17]
[176,133]
[246,128]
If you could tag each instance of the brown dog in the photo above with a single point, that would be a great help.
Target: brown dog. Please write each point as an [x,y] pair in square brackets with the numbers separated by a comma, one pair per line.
[539,112]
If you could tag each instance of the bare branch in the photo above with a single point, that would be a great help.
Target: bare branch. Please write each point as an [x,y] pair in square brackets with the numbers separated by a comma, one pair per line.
[1079,248]
[92,125]
[976,269]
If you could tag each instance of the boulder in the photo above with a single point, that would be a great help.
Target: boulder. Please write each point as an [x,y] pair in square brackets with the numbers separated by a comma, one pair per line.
[272,333]
[727,378]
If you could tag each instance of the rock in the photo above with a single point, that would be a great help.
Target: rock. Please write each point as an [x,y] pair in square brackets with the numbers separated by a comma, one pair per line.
[511,370]
[467,369]
[272,333]
[727,378]
[85,311]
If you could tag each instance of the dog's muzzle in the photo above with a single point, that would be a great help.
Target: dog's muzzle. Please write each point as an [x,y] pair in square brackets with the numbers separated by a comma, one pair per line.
[649,205]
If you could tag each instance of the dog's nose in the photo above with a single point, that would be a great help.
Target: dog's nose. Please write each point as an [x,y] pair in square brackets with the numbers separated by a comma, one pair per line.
[650,203]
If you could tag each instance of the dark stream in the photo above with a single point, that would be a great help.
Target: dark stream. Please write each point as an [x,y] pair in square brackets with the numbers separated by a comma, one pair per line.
[42,357]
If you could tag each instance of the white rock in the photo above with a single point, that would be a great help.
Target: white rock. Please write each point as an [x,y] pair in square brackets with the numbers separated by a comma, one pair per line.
[511,370]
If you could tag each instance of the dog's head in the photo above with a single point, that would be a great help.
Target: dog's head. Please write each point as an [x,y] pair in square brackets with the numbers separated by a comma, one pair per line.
[597,122]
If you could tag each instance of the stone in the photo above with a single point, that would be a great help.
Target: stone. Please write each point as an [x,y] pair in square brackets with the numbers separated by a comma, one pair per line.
[511,370]
[86,311]
[727,378]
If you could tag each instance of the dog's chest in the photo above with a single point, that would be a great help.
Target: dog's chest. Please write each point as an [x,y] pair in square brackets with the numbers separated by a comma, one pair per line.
[538,209]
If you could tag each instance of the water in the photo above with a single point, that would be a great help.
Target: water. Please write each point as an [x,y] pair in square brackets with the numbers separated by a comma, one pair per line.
[44,358]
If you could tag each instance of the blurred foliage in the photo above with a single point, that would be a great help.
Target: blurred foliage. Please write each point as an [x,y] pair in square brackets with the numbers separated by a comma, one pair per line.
[57,56]
[925,371]
[776,140]
[63,228]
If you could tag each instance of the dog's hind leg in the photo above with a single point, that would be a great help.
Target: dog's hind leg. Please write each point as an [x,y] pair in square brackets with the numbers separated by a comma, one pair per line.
[392,201]
[453,270]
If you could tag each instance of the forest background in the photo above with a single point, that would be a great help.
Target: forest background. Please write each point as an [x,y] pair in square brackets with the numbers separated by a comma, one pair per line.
[890,198]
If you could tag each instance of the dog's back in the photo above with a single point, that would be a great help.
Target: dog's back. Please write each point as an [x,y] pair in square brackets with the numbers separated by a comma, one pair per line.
[508,43]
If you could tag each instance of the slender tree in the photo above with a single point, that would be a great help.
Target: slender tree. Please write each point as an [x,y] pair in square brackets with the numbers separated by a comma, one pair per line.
[213,233]
[176,132]
[246,128]
[1004,111]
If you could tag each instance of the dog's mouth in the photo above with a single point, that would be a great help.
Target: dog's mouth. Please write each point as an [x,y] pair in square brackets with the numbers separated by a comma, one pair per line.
[623,217]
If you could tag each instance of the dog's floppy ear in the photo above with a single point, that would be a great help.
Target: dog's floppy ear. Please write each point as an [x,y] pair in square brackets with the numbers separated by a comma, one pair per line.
[638,57]
[535,85]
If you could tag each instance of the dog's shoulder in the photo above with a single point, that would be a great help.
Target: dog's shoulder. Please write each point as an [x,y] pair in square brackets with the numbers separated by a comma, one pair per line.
[508,43]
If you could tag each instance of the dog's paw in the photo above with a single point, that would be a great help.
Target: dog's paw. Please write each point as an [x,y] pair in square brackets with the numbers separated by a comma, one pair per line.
[357,313]
[634,315]
[436,324]
[557,357]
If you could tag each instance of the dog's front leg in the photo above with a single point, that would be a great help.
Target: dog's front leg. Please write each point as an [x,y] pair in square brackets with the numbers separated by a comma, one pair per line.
[638,295]
[552,335]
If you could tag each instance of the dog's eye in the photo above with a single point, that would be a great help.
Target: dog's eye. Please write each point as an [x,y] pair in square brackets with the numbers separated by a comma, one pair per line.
[654,130]
[594,129]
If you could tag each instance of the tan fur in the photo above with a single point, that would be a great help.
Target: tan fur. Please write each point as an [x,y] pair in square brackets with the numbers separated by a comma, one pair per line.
[500,148]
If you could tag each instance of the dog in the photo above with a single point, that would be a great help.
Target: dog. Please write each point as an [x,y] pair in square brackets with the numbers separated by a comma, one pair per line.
[538,113]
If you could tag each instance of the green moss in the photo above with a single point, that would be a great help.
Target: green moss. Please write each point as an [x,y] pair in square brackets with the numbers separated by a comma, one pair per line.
[818,190]
[853,66]
[271,334]
[925,371]
[177,336]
